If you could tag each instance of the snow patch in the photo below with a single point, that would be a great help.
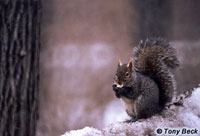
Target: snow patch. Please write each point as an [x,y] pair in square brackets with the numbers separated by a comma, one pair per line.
[94,56]
[87,131]
[114,113]
[66,56]
[101,55]
[191,114]
[187,116]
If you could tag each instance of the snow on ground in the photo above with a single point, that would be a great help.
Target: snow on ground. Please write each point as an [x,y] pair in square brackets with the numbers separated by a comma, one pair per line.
[114,113]
[87,131]
[187,116]
[191,114]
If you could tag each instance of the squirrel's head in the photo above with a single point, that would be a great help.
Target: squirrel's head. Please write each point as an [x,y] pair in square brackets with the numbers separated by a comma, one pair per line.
[124,76]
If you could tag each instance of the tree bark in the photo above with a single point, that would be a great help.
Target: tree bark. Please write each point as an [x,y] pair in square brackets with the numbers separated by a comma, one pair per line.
[154,18]
[19,66]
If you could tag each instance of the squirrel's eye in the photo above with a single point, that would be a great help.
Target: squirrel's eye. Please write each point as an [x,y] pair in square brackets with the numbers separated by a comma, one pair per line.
[127,74]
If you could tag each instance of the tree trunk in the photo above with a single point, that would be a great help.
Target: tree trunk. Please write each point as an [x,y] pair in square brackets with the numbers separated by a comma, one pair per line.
[19,66]
[154,18]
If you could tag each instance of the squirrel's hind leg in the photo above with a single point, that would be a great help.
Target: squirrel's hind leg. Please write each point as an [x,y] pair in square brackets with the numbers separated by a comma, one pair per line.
[133,119]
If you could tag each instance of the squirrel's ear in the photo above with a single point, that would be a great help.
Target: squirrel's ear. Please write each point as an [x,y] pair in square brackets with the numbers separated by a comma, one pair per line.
[130,63]
[119,63]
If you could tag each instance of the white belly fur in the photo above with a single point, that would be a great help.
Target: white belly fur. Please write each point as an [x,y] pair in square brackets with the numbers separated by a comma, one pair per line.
[130,106]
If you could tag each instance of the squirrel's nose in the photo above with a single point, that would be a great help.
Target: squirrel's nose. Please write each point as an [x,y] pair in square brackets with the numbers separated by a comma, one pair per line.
[114,85]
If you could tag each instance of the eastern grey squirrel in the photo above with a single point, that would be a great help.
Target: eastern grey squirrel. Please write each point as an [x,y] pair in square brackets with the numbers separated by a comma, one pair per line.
[146,84]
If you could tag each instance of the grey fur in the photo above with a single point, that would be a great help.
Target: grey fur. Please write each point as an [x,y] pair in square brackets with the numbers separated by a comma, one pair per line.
[148,85]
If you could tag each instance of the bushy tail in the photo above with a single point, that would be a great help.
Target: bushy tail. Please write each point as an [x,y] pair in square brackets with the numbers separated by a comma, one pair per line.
[157,59]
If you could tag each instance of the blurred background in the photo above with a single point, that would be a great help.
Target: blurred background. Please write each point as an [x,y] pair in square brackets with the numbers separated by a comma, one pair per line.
[81,43]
